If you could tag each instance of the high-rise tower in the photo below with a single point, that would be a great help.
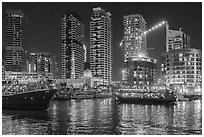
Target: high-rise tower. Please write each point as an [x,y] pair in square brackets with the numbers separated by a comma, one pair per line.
[15,52]
[72,40]
[101,44]
[140,69]
[134,42]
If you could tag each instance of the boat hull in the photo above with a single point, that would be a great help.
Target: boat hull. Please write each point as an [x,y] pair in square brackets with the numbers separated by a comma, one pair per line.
[145,100]
[82,96]
[101,95]
[29,100]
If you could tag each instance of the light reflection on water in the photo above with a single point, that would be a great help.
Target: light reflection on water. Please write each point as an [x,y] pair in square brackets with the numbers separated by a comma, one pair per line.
[104,116]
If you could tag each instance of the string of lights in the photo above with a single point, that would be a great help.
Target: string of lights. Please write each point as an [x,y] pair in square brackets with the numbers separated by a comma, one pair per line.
[153,28]
[149,30]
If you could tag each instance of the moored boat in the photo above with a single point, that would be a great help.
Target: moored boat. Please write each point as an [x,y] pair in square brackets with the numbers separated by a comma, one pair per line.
[82,94]
[163,96]
[103,91]
[63,94]
[27,96]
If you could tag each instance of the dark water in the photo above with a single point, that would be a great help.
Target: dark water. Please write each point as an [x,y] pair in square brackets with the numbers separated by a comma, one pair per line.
[104,116]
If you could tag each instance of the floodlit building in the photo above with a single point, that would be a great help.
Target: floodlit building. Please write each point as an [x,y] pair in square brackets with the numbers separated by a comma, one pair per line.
[72,41]
[32,62]
[101,44]
[134,41]
[28,76]
[141,71]
[14,56]
[44,62]
[182,67]
[139,68]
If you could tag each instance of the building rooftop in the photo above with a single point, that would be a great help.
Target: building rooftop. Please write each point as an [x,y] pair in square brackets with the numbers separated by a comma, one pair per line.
[14,12]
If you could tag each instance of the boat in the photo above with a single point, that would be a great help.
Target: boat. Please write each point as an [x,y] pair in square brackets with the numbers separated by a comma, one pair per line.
[63,94]
[145,96]
[27,96]
[103,91]
[82,94]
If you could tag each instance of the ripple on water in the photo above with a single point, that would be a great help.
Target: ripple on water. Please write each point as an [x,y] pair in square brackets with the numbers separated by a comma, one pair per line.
[103,116]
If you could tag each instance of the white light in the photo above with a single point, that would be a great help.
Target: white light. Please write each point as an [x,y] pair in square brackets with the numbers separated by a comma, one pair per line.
[139,55]
[160,24]
[163,22]
[120,43]
[152,28]
[156,26]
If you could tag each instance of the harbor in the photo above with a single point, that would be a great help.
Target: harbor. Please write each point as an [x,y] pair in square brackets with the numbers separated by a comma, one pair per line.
[101,68]
[103,110]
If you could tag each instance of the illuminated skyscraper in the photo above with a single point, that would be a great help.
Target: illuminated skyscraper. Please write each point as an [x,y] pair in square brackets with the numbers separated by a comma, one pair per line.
[140,69]
[134,26]
[15,52]
[101,44]
[72,40]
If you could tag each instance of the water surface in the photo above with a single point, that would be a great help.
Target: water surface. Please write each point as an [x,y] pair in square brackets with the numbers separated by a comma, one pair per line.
[105,116]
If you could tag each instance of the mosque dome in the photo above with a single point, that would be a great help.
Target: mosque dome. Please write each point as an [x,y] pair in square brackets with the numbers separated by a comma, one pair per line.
[87,73]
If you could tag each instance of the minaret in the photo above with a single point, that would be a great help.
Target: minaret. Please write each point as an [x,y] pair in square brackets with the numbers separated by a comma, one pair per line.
[73,66]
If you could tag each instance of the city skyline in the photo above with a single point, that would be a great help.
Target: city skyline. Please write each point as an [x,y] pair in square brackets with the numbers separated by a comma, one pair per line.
[40,38]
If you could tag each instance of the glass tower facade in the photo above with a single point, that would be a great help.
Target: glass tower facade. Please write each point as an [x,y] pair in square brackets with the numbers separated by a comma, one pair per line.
[72,41]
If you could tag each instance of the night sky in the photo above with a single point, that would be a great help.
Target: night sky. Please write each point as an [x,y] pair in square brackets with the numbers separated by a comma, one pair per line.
[43,24]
